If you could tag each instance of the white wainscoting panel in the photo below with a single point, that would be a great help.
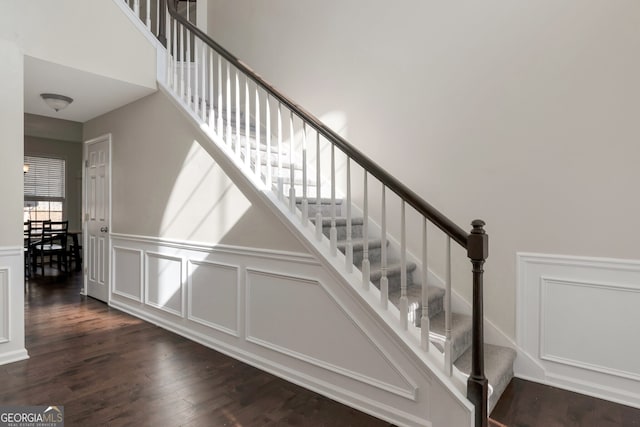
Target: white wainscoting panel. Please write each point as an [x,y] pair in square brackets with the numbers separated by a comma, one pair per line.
[12,348]
[289,314]
[164,288]
[213,290]
[5,307]
[127,273]
[577,324]
[612,316]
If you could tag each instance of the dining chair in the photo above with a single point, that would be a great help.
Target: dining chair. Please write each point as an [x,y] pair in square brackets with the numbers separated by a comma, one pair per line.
[27,244]
[32,238]
[52,243]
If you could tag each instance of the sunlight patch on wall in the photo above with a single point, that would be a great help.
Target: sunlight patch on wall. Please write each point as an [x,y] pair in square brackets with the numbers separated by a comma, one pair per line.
[204,204]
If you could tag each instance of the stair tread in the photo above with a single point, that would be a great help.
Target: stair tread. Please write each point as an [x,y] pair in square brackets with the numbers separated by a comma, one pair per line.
[358,244]
[340,221]
[460,332]
[297,180]
[498,362]
[323,200]
[274,162]
[414,294]
[393,267]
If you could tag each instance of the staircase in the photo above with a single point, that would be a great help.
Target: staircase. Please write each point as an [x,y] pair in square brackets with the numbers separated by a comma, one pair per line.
[291,156]
[498,360]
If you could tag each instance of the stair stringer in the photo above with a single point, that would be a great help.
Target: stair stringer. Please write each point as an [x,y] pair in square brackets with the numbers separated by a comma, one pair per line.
[443,397]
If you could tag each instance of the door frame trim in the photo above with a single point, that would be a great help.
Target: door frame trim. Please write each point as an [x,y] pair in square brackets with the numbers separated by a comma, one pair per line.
[85,145]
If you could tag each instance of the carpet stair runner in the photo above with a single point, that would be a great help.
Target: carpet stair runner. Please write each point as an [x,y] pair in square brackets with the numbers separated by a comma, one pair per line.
[498,360]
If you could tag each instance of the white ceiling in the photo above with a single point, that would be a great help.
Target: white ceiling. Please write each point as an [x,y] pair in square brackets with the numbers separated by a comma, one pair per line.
[93,95]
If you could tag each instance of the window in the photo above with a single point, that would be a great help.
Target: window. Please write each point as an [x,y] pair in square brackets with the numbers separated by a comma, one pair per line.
[44,188]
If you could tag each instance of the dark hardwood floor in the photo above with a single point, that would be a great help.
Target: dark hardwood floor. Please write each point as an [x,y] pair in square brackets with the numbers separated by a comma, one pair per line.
[529,404]
[109,368]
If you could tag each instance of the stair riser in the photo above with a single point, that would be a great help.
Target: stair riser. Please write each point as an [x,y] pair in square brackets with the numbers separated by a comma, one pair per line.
[325,210]
[459,346]
[394,281]
[375,254]
[356,231]
[436,305]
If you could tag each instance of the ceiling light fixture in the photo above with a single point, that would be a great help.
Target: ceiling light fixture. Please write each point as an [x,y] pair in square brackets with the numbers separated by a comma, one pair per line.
[55,101]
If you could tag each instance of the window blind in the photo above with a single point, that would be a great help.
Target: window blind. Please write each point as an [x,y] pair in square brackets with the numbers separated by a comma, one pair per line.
[45,179]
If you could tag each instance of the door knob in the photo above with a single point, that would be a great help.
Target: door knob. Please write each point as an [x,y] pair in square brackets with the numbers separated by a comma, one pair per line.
[104,229]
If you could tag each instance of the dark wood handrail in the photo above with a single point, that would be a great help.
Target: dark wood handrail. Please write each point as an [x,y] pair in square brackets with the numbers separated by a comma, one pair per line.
[406,194]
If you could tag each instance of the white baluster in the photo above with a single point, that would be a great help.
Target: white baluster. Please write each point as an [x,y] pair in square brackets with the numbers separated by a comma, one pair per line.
[188,67]
[292,169]
[228,105]
[448,362]
[237,117]
[203,90]
[305,203]
[158,11]
[212,117]
[258,167]
[169,78]
[195,77]
[148,19]
[384,281]
[318,190]
[349,247]
[136,8]
[175,56]
[247,123]
[280,177]
[219,106]
[268,135]
[182,61]
[404,301]
[424,320]
[366,264]
[333,232]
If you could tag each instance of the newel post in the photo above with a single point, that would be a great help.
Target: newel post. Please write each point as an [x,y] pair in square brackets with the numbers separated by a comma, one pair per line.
[162,23]
[477,384]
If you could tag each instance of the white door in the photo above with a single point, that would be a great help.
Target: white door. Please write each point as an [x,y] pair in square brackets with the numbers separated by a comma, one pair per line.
[97,210]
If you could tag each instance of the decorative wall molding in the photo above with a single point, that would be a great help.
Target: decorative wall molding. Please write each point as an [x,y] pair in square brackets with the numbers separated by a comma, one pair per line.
[625,298]
[12,305]
[227,249]
[576,322]
[117,252]
[374,375]
[165,290]
[409,390]
[6,251]
[5,306]
[220,304]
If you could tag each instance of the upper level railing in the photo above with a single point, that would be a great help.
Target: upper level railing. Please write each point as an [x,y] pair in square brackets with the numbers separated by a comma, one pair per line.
[269,134]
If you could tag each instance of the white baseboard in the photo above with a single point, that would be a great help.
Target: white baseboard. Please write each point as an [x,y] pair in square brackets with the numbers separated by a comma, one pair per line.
[13,356]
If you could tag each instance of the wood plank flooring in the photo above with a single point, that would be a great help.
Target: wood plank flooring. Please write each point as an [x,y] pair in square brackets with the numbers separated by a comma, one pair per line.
[109,368]
[528,404]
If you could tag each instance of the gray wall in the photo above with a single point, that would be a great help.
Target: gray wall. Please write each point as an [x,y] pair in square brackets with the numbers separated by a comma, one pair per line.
[524,114]
[62,139]
[165,184]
